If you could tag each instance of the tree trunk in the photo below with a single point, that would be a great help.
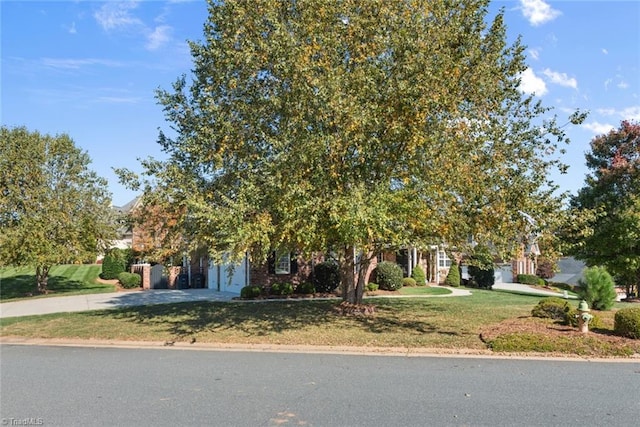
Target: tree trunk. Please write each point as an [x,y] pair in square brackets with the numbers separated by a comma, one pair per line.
[42,277]
[347,278]
[352,289]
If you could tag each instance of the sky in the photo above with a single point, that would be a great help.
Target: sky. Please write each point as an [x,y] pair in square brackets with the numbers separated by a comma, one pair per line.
[90,69]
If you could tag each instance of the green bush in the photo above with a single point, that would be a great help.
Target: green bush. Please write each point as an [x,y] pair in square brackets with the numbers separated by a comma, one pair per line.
[626,322]
[114,263]
[283,288]
[552,308]
[326,277]
[530,279]
[482,278]
[409,282]
[453,277]
[560,310]
[389,275]
[418,275]
[372,287]
[250,291]
[129,280]
[597,288]
[306,288]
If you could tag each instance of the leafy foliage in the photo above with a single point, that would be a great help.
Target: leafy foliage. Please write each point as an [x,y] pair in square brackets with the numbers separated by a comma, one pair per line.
[129,280]
[597,288]
[553,308]
[627,322]
[53,209]
[608,206]
[482,277]
[388,276]
[545,268]
[250,291]
[113,264]
[326,276]
[409,282]
[453,276]
[529,279]
[281,288]
[419,276]
[351,126]
[306,288]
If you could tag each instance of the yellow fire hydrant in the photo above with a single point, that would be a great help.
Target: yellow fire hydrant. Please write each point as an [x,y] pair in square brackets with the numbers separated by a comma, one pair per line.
[583,316]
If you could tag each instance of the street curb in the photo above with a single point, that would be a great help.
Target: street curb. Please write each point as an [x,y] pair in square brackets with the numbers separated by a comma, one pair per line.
[305,349]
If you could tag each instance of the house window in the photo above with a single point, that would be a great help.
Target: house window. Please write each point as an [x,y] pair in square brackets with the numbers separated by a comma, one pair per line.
[283,263]
[443,259]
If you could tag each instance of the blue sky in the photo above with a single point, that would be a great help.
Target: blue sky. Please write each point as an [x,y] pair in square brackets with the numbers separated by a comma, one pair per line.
[90,69]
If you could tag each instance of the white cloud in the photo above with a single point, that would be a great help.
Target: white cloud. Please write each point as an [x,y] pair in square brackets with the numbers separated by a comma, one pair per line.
[622,84]
[607,83]
[561,79]
[114,15]
[74,64]
[532,84]
[538,12]
[72,28]
[605,51]
[631,113]
[598,128]
[535,53]
[158,37]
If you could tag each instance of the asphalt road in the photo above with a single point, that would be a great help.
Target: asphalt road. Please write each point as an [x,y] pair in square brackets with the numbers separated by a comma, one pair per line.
[79,386]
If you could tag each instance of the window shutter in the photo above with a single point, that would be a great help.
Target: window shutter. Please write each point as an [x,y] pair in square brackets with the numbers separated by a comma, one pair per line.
[293,263]
[271,261]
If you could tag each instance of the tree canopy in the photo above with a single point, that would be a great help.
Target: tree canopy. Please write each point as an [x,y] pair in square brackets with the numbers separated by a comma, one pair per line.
[609,204]
[53,209]
[351,126]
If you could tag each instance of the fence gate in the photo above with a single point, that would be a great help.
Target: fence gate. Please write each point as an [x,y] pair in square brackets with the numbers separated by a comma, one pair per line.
[158,281]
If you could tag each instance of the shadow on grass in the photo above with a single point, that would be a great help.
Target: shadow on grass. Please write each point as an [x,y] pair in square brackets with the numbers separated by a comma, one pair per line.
[24,286]
[258,319]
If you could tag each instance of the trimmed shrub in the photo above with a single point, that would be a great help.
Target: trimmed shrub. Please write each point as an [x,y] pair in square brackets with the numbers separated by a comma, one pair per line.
[418,275]
[283,288]
[326,277]
[389,276]
[597,288]
[482,278]
[113,264]
[553,308]
[626,322]
[409,282]
[306,288]
[453,277]
[250,291]
[129,280]
[372,287]
[530,279]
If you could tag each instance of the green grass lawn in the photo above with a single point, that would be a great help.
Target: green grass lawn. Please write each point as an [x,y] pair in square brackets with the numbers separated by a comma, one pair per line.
[423,290]
[406,322]
[72,279]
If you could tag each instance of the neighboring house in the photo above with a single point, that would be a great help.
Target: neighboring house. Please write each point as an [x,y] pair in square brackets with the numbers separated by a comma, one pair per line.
[125,230]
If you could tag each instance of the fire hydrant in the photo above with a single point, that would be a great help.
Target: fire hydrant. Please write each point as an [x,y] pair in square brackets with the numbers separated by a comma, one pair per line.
[583,316]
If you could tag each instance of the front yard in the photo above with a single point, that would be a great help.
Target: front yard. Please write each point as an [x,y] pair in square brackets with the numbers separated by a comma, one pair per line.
[471,324]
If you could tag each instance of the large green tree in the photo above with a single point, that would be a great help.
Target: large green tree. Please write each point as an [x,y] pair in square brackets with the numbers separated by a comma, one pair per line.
[53,209]
[351,126]
[609,204]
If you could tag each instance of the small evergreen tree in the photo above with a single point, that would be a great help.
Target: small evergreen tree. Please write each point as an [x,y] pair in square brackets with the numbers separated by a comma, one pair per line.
[453,277]
[418,275]
[113,264]
[597,288]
